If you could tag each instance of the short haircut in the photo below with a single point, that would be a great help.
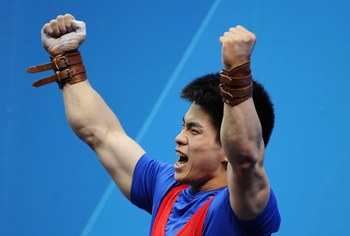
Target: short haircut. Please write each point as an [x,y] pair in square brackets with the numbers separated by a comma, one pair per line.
[204,91]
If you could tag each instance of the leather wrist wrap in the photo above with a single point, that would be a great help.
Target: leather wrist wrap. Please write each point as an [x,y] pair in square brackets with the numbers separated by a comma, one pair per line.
[236,85]
[68,68]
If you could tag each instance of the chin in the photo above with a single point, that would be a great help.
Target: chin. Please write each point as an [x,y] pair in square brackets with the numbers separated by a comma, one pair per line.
[178,179]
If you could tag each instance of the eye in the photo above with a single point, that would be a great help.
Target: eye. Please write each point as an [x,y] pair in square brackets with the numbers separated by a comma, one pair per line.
[194,131]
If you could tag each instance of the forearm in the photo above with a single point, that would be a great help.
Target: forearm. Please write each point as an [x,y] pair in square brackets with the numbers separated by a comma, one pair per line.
[241,134]
[88,115]
[243,144]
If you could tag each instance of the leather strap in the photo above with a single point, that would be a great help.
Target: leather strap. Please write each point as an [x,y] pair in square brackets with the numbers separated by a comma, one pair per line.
[236,81]
[58,63]
[239,71]
[236,101]
[232,93]
[60,76]
[237,84]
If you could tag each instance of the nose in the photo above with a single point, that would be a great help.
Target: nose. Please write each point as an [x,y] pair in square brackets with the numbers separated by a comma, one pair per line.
[181,139]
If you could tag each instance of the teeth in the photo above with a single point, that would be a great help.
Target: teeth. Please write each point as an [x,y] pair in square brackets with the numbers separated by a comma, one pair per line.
[180,154]
[183,158]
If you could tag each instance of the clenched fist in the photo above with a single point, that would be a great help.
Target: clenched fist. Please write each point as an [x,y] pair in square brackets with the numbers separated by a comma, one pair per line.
[63,34]
[237,46]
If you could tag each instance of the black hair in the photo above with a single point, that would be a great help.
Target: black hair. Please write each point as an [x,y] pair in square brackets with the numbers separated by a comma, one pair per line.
[204,91]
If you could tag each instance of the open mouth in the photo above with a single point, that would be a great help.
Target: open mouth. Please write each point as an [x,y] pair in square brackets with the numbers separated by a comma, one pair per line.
[182,158]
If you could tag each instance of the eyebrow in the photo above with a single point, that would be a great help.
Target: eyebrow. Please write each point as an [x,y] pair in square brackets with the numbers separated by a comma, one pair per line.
[192,123]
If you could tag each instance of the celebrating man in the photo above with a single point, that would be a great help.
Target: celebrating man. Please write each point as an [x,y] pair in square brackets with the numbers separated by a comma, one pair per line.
[218,185]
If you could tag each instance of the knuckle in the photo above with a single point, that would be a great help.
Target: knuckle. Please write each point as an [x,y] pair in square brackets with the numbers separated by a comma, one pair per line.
[68,16]
[46,26]
[53,22]
[239,38]
[246,39]
[253,36]
[60,17]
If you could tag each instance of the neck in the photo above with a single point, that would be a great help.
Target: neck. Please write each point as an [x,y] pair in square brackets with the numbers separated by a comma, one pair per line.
[212,184]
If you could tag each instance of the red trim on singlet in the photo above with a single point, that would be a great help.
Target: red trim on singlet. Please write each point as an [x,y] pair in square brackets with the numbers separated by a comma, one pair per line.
[193,227]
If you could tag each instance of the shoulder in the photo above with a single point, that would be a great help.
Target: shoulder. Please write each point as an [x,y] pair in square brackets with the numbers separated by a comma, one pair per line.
[151,179]
[150,169]
[220,208]
[268,221]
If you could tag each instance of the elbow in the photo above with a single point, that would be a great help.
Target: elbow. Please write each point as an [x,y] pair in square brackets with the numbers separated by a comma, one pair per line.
[245,160]
[93,137]
[245,154]
[92,141]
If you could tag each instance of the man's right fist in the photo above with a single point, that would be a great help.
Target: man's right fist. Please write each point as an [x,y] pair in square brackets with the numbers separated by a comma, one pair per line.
[63,34]
[237,46]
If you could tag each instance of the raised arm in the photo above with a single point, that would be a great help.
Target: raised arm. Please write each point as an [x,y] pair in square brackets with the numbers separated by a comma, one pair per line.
[87,113]
[241,136]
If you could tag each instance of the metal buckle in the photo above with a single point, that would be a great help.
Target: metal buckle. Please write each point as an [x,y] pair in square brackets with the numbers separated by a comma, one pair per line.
[69,75]
[65,62]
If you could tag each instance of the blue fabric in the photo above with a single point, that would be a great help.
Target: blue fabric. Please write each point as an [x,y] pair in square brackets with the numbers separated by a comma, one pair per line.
[153,179]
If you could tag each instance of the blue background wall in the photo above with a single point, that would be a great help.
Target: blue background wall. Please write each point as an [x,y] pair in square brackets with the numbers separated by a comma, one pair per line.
[139,54]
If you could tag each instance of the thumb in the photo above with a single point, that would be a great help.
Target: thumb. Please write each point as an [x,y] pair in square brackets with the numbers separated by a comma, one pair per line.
[79,27]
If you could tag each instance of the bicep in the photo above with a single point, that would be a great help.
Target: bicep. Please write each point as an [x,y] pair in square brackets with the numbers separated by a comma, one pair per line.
[119,155]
